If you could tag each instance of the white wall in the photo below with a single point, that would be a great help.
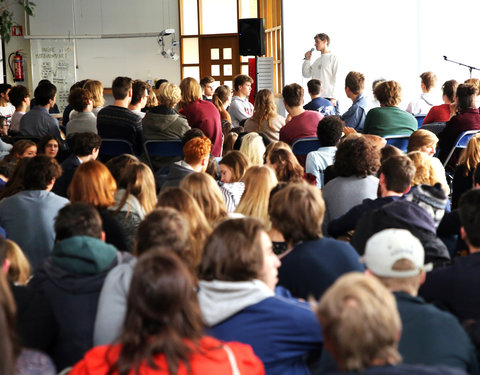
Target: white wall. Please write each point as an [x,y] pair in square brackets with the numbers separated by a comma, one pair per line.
[392,39]
[104,59]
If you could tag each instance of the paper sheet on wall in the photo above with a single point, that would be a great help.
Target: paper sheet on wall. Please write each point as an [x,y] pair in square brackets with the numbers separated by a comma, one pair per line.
[54,59]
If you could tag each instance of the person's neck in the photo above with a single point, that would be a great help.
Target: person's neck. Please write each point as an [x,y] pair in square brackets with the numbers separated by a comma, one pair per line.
[22,108]
[3,102]
[85,158]
[390,193]
[240,95]
[196,167]
[314,96]
[295,111]
[326,50]
[47,107]
[121,103]
[353,96]
[473,249]
[136,107]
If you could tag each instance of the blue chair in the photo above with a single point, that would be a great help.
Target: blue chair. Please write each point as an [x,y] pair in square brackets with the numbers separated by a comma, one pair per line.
[111,147]
[420,119]
[164,147]
[399,141]
[301,147]
[461,142]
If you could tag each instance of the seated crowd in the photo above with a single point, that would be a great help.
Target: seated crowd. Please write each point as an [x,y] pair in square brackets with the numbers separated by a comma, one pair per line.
[235,254]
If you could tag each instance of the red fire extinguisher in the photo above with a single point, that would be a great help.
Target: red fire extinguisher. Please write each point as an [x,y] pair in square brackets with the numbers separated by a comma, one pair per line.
[18,64]
[17,70]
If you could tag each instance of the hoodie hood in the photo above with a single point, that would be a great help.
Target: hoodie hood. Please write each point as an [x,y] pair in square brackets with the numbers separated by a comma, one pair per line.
[84,255]
[132,204]
[409,213]
[219,300]
[161,118]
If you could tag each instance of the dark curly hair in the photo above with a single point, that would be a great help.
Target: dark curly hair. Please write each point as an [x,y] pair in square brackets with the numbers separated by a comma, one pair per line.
[356,157]
[329,130]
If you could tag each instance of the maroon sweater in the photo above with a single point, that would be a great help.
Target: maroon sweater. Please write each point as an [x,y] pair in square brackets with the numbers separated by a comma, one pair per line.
[203,115]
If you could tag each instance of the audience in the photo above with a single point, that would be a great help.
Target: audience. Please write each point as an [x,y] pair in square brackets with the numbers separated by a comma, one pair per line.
[85,292]
[196,155]
[37,122]
[259,181]
[93,183]
[466,118]
[463,176]
[201,114]
[163,227]
[426,101]
[362,328]
[396,258]
[329,132]
[84,120]
[302,123]
[388,119]
[239,301]
[355,115]
[33,209]
[356,163]
[318,103]
[6,108]
[20,98]
[72,277]
[166,337]
[240,108]
[206,83]
[117,121]
[394,180]
[443,112]
[265,118]
[312,262]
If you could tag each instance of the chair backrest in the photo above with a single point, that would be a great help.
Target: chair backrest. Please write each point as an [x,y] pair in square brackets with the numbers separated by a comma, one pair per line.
[111,147]
[420,119]
[434,127]
[399,141]
[301,147]
[461,142]
[164,147]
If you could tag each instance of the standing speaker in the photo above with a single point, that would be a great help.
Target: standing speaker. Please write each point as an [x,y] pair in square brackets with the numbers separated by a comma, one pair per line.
[251,36]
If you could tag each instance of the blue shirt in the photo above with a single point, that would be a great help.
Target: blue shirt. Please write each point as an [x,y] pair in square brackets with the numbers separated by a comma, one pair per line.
[318,161]
[322,105]
[355,115]
[38,122]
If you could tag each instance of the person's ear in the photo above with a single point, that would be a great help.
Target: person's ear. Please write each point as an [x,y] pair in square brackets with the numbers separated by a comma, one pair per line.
[463,233]
[6,266]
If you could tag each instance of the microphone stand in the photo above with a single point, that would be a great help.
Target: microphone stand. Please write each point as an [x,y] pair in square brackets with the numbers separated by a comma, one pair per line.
[470,68]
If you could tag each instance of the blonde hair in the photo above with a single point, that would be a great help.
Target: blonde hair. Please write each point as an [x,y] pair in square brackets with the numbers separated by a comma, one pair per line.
[185,203]
[420,138]
[152,100]
[264,109]
[425,173]
[191,91]
[471,156]
[208,196]
[169,94]
[259,182]
[475,82]
[96,89]
[137,179]
[359,318]
[19,271]
[253,148]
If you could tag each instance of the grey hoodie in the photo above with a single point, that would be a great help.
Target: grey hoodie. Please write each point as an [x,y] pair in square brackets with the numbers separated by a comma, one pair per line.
[240,109]
[220,300]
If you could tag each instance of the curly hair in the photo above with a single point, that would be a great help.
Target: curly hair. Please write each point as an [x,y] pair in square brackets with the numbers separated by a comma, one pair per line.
[388,93]
[169,95]
[286,166]
[356,156]
[196,149]
[425,173]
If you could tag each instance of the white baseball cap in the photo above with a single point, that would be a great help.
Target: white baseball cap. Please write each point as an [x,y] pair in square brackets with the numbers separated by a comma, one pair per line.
[384,248]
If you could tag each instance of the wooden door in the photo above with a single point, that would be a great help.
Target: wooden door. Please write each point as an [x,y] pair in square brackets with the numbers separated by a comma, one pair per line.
[219,58]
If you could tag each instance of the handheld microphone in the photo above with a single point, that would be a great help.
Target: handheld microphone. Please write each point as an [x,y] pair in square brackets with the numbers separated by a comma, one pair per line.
[313,49]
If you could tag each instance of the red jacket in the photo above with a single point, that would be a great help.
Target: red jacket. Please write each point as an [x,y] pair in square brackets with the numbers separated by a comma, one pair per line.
[214,361]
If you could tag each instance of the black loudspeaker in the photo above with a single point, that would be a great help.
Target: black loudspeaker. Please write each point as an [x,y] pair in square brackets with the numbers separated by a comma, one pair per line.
[251,36]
